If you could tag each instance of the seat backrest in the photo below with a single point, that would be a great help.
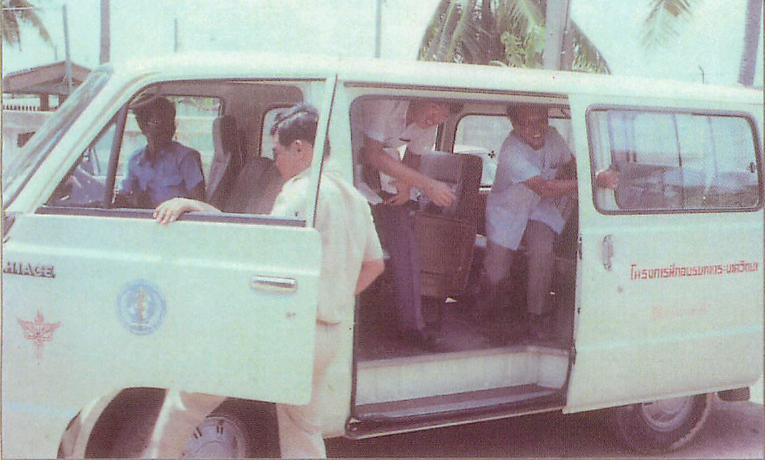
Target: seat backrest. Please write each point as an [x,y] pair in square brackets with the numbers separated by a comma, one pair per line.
[255,188]
[225,159]
[445,272]
[462,172]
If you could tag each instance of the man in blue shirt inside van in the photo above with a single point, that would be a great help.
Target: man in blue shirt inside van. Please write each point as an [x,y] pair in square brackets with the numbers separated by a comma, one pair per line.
[163,169]
[523,206]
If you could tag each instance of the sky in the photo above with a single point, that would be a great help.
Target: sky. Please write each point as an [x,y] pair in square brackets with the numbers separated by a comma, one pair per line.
[710,43]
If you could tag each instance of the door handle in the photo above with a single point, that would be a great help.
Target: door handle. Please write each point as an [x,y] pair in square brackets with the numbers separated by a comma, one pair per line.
[608,252]
[274,284]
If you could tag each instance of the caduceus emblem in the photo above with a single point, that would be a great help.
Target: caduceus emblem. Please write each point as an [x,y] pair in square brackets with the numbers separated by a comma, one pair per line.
[140,307]
[38,332]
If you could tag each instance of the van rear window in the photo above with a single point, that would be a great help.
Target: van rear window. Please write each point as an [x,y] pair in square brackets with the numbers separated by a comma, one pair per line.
[676,161]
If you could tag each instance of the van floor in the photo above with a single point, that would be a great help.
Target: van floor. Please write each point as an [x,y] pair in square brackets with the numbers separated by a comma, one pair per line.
[377,336]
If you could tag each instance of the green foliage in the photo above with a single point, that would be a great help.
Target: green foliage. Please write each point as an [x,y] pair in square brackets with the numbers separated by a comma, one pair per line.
[17,12]
[664,16]
[510,32]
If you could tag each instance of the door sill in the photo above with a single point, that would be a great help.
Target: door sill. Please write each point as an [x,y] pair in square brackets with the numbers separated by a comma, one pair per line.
[415,414]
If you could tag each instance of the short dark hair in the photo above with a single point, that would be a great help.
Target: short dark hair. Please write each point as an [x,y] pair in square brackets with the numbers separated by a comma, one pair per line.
[299,122]
[513,110]
[149,104]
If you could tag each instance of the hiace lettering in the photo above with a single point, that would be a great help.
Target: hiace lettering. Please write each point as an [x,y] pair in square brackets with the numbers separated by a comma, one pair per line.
[29,269]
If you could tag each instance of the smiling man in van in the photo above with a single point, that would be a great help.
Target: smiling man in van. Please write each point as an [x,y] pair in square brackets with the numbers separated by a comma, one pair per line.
[521,207]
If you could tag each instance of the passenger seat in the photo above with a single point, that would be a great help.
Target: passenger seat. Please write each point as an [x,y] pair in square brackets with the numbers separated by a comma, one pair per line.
[226,160]
[255,188]
[446,236]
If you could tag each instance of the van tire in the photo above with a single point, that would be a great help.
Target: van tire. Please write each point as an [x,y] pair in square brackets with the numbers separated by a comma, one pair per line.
[660,426]
[249,430]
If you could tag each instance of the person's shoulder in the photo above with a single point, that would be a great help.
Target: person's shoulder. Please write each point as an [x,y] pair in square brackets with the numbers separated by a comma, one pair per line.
[183,150]
[511,142]
[136,155]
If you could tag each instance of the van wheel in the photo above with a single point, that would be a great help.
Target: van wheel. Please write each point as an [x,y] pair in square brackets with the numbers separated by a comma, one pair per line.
[236,429]
[660,426]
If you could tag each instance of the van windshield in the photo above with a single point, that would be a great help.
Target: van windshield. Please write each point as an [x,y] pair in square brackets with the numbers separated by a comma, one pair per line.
[18,171]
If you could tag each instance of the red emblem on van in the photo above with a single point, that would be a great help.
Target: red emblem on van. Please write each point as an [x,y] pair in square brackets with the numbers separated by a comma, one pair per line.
[38,331]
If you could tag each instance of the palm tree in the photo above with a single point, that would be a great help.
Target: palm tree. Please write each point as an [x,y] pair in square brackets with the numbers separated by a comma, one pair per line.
[16,12]
[660,26]
[504,32]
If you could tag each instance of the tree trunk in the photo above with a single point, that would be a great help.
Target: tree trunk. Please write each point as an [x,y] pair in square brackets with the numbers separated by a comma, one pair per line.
[751,42]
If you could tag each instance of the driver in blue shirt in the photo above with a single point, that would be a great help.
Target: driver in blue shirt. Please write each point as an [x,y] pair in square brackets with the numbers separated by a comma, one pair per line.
[163,169]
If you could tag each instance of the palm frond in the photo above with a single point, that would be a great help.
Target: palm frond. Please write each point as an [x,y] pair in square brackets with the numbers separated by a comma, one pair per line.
[662,21]
[16,12]
[587,57]
[433,32]
[10,28]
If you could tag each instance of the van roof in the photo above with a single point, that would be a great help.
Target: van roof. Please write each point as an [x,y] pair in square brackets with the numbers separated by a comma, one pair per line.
[404,74]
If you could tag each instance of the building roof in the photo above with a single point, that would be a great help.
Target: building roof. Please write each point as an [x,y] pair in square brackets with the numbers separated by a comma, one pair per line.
[46,79]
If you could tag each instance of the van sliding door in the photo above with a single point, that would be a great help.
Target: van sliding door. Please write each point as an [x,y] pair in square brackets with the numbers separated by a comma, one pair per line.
[671,292]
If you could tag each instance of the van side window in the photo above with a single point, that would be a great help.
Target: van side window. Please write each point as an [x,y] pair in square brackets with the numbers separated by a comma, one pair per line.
[482,135]
[675,161]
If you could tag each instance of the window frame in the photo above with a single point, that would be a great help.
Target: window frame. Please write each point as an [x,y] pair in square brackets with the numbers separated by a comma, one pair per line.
[119,118]
[590,126]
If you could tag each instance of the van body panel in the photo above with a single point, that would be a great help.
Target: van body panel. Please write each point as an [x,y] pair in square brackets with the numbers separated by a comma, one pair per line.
[212,319]
[653,325]
[96,300]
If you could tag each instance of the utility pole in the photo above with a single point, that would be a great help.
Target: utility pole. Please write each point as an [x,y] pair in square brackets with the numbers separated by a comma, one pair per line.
[68,63]
[378,26]
[556,28]
[105,32]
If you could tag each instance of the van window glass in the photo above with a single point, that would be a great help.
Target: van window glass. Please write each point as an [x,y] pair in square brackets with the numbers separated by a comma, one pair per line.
[85,185]
[220,120]
[675,161]
[38,147]
[482,135]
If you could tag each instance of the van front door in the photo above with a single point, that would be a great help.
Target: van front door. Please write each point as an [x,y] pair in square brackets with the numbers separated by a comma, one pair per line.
[671,272]
[97,298]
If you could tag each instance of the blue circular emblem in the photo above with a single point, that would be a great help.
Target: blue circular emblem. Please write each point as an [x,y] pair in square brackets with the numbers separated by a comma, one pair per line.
[140,307]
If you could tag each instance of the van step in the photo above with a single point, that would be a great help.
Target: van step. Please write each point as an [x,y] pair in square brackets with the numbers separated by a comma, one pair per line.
[452,403]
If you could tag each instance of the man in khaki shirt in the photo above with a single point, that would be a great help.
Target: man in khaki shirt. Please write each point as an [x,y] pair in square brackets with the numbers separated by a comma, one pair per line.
[351,260]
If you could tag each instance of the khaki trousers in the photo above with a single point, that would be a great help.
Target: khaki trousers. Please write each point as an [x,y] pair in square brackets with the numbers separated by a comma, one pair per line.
[539,239]
[299,426]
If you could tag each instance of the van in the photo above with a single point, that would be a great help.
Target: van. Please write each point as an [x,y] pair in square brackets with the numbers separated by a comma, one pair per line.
[658,286]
